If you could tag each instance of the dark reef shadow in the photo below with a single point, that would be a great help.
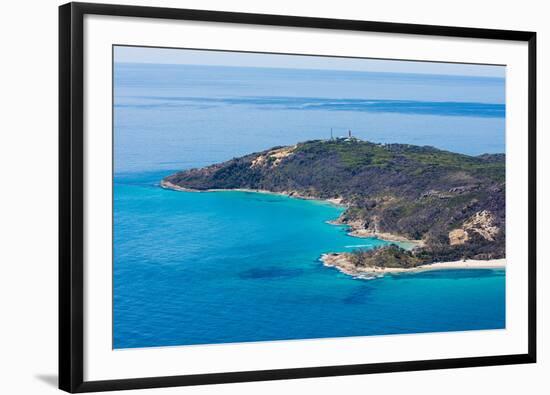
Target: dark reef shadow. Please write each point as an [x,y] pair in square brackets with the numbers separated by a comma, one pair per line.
[359,296]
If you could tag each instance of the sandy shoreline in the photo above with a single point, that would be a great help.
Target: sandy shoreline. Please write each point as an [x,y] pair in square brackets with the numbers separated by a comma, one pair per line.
[341,262]
[296,195]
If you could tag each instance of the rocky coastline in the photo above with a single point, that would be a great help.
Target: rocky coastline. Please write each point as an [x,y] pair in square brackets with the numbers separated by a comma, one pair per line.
[440,206]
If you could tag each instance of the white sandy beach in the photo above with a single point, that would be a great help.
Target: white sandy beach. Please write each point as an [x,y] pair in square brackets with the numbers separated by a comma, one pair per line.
[342,263]
[467,264]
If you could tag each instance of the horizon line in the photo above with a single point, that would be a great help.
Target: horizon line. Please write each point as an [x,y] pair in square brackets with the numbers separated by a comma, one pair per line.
[317,69]
[233,58]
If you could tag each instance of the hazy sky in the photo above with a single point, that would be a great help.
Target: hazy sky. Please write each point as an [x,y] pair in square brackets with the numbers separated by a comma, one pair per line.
[221,58]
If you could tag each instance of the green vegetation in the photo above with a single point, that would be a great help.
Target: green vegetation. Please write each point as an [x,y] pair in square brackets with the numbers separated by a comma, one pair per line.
[416,192]
[391,256]
[354,154]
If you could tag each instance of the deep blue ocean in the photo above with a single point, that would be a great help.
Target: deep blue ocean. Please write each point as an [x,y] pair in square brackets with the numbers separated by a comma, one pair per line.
[199,268]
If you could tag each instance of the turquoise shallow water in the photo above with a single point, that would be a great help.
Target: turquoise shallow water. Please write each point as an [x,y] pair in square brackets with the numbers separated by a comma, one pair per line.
[197,268]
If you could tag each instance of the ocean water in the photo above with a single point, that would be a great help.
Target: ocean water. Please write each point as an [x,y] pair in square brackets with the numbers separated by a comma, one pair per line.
[180,116]
[201,268]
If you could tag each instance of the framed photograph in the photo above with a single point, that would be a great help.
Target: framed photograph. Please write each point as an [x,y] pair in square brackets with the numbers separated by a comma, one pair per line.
[251,197]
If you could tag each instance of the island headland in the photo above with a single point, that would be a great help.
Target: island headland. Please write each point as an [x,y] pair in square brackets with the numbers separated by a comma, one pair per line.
[450,206]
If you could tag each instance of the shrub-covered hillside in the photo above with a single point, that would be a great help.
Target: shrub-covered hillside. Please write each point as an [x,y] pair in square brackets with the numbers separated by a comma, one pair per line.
[453,202]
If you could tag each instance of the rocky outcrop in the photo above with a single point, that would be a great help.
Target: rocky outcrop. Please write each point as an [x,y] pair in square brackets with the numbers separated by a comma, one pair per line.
[482,223]
[272,158]
[458,237]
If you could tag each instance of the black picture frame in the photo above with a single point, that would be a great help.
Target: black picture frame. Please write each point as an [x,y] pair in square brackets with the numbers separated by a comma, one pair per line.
[71,196]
